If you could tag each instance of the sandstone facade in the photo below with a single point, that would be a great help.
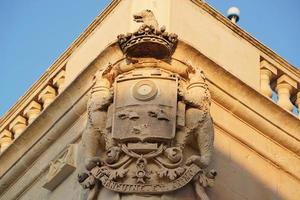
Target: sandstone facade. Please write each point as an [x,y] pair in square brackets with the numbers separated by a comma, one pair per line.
[256,145]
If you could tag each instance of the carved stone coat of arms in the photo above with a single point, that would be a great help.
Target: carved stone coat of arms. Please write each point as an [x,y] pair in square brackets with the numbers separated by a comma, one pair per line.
[149,133]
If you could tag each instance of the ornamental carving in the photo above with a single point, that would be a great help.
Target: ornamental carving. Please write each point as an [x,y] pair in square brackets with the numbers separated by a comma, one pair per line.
[149,39]
[61,168]
[149,129]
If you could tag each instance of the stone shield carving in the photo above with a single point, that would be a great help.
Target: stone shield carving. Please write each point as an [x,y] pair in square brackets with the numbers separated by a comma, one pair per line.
[143,109]
[149,130]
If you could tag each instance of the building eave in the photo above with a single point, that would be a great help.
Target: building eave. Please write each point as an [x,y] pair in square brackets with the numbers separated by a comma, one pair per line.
[57,64]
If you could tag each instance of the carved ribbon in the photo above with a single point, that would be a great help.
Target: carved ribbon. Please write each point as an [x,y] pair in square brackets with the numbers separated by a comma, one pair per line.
[190,172]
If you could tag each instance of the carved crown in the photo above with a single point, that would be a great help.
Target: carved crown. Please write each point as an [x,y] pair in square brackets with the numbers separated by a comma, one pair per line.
[148,40]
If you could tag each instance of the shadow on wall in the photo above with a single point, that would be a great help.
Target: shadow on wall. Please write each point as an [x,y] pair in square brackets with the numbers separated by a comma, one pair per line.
[234,182]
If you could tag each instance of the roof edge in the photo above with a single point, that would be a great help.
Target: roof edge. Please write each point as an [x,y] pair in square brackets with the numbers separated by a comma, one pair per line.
[245,35]
[58,63]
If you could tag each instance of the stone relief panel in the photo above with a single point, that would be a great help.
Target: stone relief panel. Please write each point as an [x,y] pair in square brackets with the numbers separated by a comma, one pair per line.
[149,130]
[61,168]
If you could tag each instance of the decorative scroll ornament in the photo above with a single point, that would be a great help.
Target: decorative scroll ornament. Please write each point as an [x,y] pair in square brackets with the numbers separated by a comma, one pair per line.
[146,115]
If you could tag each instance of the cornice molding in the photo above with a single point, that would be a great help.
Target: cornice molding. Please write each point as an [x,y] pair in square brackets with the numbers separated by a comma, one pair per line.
[56,66]
[258,125]
[236,96]
[51,124]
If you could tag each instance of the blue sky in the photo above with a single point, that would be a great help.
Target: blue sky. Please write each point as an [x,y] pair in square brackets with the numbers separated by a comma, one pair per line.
[34,33]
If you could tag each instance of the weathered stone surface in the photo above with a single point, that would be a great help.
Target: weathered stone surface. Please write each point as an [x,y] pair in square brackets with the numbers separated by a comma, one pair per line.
[32,111]
[145,98]
[61,168]
[257,142]
[18,125]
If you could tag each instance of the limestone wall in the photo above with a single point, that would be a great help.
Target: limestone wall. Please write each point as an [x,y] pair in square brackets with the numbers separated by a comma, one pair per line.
[257,141]
[196,23]
[256,153]
[245,173]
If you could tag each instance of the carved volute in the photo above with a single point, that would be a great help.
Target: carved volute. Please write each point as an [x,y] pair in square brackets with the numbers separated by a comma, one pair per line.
[152,119]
